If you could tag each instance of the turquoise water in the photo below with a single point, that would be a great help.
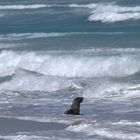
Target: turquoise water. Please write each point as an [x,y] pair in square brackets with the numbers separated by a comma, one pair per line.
[53,51]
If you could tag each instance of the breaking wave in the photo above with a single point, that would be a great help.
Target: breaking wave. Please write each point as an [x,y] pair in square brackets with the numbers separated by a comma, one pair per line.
[104,12]
[110,12]
[25,80]
[69,65]
[52,71]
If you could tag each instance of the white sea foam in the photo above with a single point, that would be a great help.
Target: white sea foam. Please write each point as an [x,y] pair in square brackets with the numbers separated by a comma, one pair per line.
[22,36]
[114,17]
[113,90]
[127,123]
[44,119]
[51,72]
[92,5]
[106,89]
[14,36]
[110,12]
[132,92]
[30,136]
[23,80]
[92,130]
[69,65]
[24,137]
[20,7]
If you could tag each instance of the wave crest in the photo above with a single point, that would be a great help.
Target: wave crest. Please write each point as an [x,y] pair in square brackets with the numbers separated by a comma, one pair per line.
[110,12]
[69,65]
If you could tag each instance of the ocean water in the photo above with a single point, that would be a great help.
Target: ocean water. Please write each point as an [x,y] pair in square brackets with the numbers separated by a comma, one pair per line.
[52,51]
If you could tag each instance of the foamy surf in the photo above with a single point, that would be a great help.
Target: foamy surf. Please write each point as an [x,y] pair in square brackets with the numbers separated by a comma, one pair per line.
[109,12]
[22,80]
[96,76]
[127,123]
[70,65]
[92,130]
[54,51]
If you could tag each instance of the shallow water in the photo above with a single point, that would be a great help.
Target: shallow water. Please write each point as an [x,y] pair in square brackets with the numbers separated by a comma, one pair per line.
[54,51]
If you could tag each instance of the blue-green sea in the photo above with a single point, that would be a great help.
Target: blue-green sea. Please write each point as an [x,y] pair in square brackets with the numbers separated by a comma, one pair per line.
[52,51]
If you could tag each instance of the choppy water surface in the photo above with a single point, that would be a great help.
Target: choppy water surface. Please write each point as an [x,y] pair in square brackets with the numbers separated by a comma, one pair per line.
[52,52]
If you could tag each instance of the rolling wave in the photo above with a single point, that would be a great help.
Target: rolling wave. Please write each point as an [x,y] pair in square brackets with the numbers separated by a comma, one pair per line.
[104,12]
[51,71]
[110,12]
[71,65]
[26,80]
[30,71]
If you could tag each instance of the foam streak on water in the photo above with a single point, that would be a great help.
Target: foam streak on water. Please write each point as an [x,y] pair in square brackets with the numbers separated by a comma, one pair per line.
[20,7]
